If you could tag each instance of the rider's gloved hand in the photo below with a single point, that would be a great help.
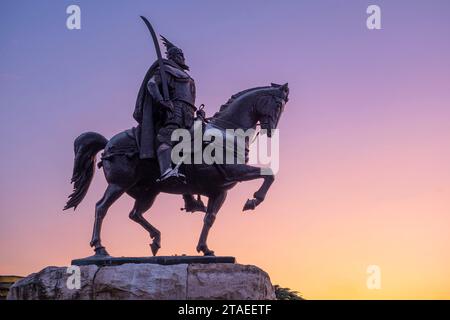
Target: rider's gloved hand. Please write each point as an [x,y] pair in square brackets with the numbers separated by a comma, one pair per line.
[201,114]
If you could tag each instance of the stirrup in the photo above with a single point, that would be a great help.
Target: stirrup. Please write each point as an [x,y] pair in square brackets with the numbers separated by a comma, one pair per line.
[172,175]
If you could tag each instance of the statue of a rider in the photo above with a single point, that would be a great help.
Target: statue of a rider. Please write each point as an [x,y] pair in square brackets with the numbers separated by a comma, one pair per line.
[159,117]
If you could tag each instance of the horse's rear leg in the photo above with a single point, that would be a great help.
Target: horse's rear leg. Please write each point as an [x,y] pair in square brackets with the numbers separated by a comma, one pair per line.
[215,202]
[112,193]
[141,205]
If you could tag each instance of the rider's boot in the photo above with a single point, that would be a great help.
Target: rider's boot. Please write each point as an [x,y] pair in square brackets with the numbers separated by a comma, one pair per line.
[168,174]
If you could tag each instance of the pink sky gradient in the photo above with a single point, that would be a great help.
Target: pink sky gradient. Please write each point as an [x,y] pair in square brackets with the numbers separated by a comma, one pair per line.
[364,173]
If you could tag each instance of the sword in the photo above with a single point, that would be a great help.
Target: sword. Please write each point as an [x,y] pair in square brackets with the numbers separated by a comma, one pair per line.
[162,66]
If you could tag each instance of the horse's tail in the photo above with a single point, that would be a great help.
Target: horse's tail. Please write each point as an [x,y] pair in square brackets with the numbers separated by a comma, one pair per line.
[86,147]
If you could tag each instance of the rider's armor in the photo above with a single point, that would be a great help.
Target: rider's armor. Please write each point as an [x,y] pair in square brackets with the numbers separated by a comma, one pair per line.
[182,96]
[181,86]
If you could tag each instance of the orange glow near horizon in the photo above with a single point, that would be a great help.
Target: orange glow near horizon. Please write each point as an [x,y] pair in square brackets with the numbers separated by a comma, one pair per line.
[364,173]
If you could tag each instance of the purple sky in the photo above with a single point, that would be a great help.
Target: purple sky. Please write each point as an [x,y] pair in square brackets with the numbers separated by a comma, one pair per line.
[364,137]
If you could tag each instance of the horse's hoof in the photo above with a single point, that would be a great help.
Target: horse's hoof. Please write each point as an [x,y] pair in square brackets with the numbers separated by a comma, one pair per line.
[101,252]
[209,253]
[154,247]
[249,205]
[205,250]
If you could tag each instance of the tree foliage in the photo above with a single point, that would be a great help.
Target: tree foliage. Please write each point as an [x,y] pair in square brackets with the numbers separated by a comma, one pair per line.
[286,294]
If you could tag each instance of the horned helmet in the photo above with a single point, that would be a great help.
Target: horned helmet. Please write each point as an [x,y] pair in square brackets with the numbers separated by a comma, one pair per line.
[174,53]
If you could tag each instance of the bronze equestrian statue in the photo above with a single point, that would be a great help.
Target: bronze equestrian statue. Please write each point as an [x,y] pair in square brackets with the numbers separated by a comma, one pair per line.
[129,162]
[162,106]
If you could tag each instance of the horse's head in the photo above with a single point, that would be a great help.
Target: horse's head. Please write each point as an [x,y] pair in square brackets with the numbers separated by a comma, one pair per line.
[263,105]
[270,106]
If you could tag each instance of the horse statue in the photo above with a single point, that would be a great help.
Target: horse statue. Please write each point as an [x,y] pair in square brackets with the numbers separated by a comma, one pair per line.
[125,172]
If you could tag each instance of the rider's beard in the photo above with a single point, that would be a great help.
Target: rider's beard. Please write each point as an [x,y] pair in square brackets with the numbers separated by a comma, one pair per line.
[181,63]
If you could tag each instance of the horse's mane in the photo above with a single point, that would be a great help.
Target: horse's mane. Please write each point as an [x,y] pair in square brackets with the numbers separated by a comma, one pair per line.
[237,95]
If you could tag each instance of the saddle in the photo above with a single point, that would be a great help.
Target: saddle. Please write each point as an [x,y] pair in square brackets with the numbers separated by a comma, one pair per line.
[214,139]
[125,143]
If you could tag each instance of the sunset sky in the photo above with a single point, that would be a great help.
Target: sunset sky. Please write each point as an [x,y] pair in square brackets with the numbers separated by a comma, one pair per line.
[364,173]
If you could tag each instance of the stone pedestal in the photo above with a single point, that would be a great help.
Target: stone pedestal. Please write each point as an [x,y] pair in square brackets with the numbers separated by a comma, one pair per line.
[139,281]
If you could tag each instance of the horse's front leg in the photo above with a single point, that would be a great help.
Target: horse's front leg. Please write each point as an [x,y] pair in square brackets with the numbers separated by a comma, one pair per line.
[243,172]
[261,193]
[215,202]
